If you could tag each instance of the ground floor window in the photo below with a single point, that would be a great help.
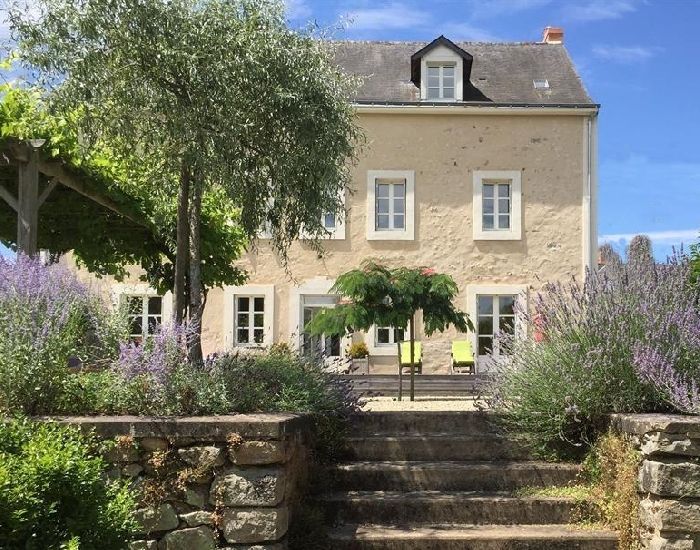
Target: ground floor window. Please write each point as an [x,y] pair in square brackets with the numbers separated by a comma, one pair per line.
[325,345]
[495,314]
[145,313]
[389,336]
[249,316]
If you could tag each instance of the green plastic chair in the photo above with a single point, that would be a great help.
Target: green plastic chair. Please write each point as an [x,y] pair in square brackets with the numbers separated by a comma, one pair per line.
[463,357]
[405,356]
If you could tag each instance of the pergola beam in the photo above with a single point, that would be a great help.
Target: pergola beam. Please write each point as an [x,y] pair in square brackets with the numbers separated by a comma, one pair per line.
[28,205]
[47,191]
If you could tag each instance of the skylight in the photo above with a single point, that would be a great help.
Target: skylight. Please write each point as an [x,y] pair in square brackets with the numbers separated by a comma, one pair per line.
[540,83]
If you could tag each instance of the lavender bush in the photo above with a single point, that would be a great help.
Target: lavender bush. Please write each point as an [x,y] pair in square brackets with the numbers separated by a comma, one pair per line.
[626,340]
[48,321]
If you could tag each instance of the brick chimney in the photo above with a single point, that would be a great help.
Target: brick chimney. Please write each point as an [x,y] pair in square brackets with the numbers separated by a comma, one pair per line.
[553,35]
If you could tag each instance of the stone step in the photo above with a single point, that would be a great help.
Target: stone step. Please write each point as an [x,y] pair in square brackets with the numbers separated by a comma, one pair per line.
[423,422]
[434,447]
[450,475]
[400,508]
[470,537]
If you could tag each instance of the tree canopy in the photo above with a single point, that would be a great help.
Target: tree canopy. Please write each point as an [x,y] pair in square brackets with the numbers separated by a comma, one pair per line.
[103,241]
[375,294]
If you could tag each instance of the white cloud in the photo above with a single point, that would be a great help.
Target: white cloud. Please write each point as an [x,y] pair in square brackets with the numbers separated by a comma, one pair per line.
[467,31]
[394,15]
[657,237]
[624,54]
[297,9]
[485,9]
[598,10]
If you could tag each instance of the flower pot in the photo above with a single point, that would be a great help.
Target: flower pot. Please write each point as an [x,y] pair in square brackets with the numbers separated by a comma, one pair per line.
[360,366]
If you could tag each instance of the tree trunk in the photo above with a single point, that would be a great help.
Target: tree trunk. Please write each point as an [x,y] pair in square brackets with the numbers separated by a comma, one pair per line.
[398,346]
[413,356]
[196,294]
[183,245]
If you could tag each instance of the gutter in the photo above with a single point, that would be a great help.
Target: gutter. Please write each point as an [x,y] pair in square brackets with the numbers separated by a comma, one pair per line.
[475,108]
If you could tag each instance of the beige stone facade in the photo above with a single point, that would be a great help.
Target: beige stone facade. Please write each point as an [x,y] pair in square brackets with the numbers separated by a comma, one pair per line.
[552,152]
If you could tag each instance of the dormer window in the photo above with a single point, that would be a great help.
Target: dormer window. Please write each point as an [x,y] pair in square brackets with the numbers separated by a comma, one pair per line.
[441,81]
[441,71]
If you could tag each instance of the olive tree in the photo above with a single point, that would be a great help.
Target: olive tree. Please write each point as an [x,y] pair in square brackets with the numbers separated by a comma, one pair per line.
[208,94]
[377,295]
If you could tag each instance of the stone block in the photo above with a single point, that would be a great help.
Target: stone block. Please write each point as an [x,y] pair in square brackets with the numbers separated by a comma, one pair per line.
[154,444]
[273,546]
[258,452]
[143,545]
[197,518]
[199,538]
[152,520]
[251,525]
[661,543]
[202,457]
[670,515]
[122,454]
[132,470]
[670,478]
[660,443]
[197,495]
[248,487]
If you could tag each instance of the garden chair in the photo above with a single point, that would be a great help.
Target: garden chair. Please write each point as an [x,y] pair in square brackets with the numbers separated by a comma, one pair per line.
[463,357]
[405,356]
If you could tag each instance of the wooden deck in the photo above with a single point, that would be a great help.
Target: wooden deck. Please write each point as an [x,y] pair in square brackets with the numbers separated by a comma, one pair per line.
[425,384]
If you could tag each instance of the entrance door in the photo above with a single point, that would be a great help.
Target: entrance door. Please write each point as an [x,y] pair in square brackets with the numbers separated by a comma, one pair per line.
[323,345]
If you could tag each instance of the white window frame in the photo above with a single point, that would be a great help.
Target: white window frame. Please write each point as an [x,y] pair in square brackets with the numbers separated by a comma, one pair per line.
[441,81]
[261,291]
[473,292]
[338,232]
[442,55]
[375,348]
[408,232]
[512,177]
[120,291]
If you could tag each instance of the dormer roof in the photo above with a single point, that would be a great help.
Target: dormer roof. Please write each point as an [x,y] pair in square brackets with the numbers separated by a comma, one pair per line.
[467,58]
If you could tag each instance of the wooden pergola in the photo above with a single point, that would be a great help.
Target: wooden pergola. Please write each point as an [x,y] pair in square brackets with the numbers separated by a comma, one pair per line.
[29,181]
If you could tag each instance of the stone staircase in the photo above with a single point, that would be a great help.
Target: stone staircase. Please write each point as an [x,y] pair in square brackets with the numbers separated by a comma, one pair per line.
[446,480]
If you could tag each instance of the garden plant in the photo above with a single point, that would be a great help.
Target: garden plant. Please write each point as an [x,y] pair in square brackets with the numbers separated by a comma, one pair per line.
[625,340]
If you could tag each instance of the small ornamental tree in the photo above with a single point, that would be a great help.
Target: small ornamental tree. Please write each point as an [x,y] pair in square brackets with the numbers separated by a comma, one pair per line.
[376,294]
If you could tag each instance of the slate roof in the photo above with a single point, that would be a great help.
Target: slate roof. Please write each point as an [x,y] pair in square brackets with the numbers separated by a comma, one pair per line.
[502,73]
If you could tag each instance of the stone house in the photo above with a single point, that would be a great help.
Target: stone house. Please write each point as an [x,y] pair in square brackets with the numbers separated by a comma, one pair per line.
[480,162]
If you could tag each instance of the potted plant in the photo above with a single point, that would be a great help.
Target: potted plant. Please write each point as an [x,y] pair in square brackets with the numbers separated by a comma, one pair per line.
[359,358]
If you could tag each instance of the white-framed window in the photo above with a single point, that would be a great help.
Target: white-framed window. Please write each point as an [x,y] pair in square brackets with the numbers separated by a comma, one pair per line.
[493,309]
[495,315]
[390,205]
[249,315]
[382,340]
[441,81]
[329,346]
[249,320]
[144,312]
[497,205]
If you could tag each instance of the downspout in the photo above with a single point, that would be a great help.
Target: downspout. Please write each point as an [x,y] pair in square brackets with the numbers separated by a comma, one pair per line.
[590,195]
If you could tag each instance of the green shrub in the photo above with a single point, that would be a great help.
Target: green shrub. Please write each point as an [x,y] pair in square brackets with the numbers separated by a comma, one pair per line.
[53,493]
[358,350]
[48,321]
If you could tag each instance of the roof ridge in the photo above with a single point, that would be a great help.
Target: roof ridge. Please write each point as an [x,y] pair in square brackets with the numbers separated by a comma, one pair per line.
[405,42]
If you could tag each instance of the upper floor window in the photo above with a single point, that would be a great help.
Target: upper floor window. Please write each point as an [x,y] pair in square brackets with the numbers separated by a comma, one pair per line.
[329,221]
[249,320]
[390,202]
[145,313]
[390,205]
[388,336]
[497,205]
[441,81]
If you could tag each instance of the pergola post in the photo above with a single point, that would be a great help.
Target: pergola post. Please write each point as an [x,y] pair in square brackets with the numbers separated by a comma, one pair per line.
[28,204]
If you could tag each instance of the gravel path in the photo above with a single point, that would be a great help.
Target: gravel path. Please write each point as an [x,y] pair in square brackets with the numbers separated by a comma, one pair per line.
[423,403]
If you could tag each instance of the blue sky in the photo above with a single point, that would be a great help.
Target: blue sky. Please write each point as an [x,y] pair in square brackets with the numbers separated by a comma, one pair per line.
[638,58]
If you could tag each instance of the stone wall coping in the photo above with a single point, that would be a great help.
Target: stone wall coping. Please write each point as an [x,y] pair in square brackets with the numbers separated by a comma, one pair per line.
[263,426]
[640,424]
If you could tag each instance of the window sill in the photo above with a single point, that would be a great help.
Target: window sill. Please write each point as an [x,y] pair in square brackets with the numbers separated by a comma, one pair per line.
[390,236]
[497,236]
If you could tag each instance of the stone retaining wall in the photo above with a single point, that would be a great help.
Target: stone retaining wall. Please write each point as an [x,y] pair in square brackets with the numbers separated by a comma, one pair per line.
[209,482]
[669,478]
